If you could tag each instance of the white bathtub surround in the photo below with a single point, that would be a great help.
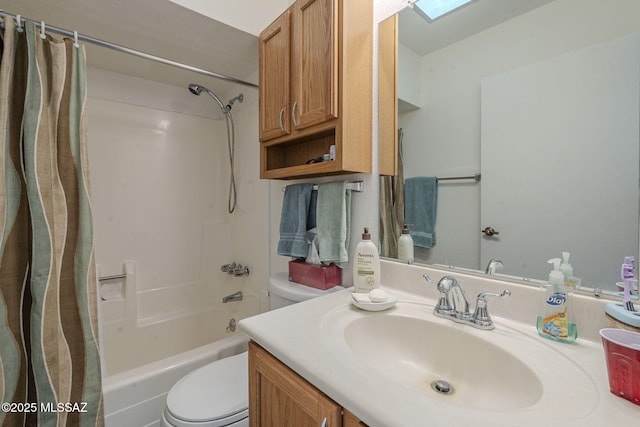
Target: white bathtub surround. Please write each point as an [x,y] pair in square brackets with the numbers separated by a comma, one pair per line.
[315,327]
[137,397]
[160,181]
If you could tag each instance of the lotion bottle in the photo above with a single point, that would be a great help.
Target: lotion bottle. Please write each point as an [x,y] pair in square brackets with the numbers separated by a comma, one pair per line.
[366,265]
[555,320]
[405,246]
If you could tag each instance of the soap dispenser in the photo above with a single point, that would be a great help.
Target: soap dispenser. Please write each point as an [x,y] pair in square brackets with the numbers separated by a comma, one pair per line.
[366,265]
[555,320]
[405,245]
[567,270]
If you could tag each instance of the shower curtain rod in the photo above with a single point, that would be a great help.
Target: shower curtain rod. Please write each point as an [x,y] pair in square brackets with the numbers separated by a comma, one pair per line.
[129,51]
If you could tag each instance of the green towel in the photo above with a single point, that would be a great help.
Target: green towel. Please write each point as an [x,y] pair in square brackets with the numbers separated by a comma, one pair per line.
[333,222]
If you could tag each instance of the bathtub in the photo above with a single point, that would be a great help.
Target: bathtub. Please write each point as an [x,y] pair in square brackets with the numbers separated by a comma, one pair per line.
[137,397]
[150,339]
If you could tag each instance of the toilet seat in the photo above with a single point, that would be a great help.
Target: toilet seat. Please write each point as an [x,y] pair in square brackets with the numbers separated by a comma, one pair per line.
[214,395]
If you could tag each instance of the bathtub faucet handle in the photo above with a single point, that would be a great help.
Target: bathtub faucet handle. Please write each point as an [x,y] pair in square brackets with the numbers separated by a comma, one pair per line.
[240,271]
[228,268]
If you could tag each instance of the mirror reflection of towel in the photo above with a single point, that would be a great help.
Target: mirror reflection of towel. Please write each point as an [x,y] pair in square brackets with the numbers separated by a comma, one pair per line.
[293,220]
[420,207]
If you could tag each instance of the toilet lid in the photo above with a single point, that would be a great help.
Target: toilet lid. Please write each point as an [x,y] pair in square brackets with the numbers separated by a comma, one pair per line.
[215,391]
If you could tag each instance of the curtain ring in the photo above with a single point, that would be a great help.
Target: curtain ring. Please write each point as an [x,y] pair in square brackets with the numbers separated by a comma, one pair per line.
[19,22]
[43,36]
[75,39]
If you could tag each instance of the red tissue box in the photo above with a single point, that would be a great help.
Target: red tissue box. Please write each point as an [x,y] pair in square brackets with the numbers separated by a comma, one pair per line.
[316,276]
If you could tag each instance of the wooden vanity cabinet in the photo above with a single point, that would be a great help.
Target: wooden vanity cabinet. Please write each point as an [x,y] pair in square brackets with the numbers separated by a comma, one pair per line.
[316,89]
[278,397]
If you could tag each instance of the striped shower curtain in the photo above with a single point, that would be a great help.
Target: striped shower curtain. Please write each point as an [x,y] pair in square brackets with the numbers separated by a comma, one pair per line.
[49,358]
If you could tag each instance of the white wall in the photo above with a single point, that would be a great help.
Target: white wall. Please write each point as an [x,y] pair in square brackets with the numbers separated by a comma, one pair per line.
[450,114]
[409,79]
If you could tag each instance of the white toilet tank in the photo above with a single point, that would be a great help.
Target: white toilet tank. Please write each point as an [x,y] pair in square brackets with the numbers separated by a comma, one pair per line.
[282,292]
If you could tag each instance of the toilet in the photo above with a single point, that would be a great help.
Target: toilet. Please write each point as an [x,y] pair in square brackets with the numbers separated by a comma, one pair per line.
[217,394]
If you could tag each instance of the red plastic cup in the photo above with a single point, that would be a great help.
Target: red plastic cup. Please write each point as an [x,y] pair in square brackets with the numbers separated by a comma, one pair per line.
[622,351]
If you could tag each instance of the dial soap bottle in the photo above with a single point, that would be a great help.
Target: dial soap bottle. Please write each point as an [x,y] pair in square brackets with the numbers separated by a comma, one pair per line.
[555,320]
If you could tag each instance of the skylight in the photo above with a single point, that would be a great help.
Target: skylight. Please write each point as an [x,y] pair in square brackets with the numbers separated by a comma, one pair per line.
[433,9]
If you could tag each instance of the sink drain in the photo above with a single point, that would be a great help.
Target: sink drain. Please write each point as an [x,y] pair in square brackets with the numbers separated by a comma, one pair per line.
[442,387]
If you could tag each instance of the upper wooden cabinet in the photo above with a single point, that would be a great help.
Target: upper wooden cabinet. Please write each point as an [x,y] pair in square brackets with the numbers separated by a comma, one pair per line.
[314,61]
[388,96]
[275,60]
[316,89]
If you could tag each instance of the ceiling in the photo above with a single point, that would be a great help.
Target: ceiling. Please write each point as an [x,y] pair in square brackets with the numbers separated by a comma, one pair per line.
[423,37]
[158,27]
[166,29]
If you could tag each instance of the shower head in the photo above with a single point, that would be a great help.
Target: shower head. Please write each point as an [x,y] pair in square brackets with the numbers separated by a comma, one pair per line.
[197,90]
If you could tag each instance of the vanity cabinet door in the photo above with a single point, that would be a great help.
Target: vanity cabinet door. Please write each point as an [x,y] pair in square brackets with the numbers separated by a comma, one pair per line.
[350,420]
[278,397]
[275,59]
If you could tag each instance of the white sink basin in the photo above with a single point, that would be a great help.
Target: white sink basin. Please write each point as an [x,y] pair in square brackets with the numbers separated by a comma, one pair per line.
[506,370]
[416,352]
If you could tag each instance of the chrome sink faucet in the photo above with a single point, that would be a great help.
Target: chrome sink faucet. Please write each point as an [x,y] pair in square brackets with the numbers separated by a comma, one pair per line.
[493,266]
[457,308]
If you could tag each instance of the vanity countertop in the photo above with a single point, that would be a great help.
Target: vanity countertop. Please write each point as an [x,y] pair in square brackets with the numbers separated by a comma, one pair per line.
[297,335]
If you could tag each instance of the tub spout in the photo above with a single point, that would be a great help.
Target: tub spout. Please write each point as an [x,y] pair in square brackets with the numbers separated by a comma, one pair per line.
[233,297]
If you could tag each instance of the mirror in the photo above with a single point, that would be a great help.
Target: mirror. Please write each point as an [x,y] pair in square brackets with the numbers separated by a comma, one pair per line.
[543,104]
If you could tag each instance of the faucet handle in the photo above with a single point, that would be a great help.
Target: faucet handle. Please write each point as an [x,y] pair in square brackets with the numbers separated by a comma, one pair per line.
[481,315]
[428,279]
[483,296]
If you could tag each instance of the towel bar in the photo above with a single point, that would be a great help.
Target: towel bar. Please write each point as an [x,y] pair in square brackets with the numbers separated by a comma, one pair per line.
[475,177]
[357,186]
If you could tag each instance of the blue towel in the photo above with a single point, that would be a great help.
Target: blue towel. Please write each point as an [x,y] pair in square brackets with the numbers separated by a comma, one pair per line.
[420,207]
[333,222]
[293,221]
[313,205]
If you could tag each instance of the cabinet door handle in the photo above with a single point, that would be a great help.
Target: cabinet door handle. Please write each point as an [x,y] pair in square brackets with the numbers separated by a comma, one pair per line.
[490,231]
[280,119]
[324,422]
[293,113]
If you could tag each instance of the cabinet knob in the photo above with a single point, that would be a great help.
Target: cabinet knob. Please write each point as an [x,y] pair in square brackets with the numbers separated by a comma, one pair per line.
[324,422]
[293,113]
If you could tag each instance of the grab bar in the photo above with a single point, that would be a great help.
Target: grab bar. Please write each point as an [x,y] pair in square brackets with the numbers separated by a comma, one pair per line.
[114,277]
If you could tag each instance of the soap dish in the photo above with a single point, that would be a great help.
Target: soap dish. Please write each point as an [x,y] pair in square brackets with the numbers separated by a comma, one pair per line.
[368,305]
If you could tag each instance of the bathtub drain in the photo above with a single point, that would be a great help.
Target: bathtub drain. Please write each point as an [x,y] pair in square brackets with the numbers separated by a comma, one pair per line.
[442,387]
